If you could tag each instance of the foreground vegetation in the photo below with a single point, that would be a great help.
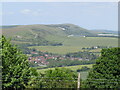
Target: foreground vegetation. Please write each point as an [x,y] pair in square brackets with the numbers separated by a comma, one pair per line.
[106,71]
[16,71]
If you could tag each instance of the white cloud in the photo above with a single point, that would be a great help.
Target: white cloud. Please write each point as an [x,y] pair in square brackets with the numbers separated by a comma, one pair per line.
[26,11]
[30,12]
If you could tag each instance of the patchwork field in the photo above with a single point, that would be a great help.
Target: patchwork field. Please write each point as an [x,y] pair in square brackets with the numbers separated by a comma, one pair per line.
[75,44]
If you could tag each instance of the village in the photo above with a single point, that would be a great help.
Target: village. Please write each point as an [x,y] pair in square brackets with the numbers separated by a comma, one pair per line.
[42,59]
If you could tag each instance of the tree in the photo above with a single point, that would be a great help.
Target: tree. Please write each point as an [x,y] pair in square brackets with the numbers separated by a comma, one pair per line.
[106,72]
[16,71]
[84,68]
[59,78]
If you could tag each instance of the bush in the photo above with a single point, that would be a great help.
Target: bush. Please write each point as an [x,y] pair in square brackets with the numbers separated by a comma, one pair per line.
[85,68]
[59,78]
[106,72]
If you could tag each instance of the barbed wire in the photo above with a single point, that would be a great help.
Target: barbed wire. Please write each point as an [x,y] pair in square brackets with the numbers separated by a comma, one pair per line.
[60,78]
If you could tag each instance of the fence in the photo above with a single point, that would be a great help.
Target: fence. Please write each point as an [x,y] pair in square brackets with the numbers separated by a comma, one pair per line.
[66,82]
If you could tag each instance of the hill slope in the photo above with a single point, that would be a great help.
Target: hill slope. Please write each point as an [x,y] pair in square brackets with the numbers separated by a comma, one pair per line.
[43,33]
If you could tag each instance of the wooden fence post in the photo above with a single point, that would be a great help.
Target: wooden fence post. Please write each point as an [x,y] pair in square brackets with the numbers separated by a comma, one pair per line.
[78,86]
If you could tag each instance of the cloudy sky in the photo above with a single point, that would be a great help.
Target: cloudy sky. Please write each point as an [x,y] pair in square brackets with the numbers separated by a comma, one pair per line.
[89,15]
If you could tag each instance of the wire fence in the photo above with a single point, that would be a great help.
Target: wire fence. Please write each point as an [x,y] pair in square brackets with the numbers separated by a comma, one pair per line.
[59,81]
[62,82]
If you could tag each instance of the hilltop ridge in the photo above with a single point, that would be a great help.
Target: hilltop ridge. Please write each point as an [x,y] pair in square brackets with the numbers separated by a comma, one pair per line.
[39,33]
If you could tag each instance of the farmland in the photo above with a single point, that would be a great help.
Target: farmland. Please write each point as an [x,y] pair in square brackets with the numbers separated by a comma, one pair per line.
[57,49]
[74,68]
[75,44]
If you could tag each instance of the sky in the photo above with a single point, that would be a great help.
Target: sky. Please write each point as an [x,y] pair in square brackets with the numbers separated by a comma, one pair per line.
[89,15]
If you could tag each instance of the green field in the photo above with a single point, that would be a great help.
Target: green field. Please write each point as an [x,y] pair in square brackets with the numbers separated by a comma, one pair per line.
[91,41]
[57,49]
[75,44]
[19,42]
[74,68]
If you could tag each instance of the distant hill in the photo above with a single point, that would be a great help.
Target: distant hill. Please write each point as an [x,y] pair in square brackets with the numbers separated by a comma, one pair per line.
[9,26]
[71,29]
[44,34]
[67,29]
[104,31]
[53,34]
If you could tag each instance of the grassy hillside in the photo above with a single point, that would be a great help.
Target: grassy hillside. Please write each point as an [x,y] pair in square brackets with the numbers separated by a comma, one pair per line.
[67,37]
[45,32]
[73,29]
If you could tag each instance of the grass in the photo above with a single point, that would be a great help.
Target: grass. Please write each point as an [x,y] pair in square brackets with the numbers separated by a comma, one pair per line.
[75,44]
[19,42]
[74,68]
[91,41]
[84,74]
[57,49]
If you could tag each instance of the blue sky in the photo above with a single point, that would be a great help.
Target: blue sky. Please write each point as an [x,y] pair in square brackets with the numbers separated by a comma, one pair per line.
[89,15]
